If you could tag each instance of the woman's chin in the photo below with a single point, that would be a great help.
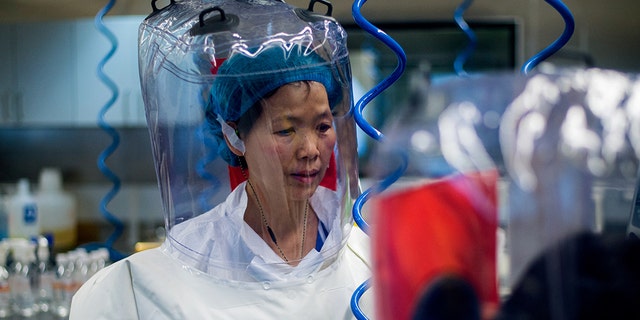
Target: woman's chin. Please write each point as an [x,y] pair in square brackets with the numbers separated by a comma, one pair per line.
[303,191]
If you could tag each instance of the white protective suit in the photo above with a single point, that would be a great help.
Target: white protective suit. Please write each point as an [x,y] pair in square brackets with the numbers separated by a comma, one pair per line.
[155,284]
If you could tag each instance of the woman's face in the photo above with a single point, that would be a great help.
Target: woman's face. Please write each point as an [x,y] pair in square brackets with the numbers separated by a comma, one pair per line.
[290,144]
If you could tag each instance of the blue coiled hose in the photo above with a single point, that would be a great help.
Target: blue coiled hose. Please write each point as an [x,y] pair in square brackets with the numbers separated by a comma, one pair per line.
[461,59]
[559,42]
[115,138]
[357,294]
[385,83]
[373,133]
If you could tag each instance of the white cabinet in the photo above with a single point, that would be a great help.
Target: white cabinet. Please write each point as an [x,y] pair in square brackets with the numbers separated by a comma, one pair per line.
[45,74]
[48,73]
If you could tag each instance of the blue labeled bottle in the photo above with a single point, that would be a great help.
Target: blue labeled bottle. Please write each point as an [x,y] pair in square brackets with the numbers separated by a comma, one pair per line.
[23,213]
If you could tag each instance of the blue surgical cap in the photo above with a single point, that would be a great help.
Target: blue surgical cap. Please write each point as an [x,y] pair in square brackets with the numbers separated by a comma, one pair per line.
[243,79]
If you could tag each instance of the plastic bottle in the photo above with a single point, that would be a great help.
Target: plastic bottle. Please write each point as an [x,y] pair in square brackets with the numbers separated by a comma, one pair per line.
[5,289]
[60,305]
[66,285]
[57,210]
[81,268]
[45,277]
[99,259]
[20,278]
[23,213]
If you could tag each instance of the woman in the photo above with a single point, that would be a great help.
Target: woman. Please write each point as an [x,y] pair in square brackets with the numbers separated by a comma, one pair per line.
[272,116]
[288,147]
[297,129]
[275,247]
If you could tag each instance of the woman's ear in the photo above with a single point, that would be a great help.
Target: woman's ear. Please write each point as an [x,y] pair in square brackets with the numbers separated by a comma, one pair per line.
[232,138]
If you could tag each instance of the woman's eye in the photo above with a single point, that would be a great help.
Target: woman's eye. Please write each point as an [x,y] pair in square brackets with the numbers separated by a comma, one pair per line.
[285,132]
[324,128]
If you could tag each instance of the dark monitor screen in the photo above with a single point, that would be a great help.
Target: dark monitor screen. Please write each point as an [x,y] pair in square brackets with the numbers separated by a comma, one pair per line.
[440,42]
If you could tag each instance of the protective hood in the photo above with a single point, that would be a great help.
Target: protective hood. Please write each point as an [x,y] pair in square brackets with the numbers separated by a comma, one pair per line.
[216,78]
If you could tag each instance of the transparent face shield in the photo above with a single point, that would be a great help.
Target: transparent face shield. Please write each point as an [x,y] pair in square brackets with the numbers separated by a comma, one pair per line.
[248,108]
[512,189]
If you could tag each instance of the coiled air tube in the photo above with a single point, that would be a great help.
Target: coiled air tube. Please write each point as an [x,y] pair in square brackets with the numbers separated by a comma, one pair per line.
[559,42]
[115,137]
[374,92]
[373,133]
[463,56]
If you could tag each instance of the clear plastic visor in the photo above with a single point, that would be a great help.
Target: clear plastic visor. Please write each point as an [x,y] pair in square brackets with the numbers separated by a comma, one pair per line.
[254,148]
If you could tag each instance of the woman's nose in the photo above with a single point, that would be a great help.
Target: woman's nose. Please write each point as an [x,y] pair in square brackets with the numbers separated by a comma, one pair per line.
[308,147]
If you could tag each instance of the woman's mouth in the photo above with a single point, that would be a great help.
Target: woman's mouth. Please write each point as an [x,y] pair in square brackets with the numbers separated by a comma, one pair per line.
[306,177]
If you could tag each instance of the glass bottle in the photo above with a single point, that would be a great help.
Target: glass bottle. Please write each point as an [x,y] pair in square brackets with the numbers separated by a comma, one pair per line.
[5,290]
[45,276]
[20,277]
[64,286]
